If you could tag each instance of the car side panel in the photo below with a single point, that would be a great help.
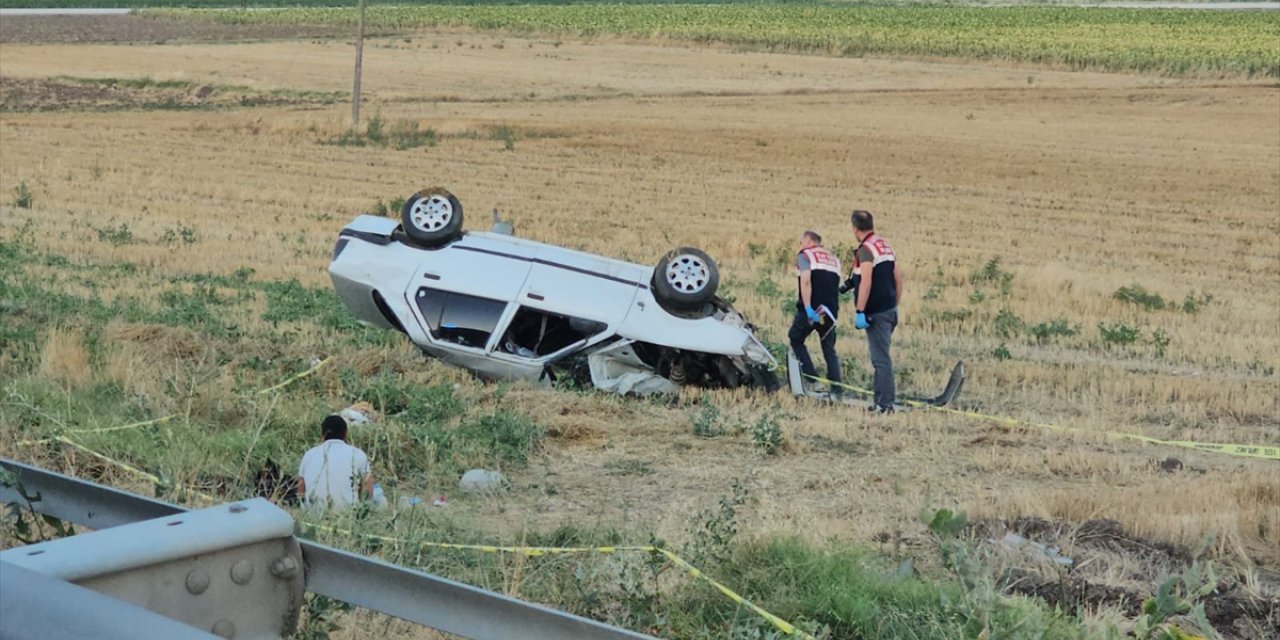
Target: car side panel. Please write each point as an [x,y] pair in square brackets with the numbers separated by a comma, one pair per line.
[599,266]
[558,256]
[647,321]
[484,365]
[365,267]
[573,293]
[474,273]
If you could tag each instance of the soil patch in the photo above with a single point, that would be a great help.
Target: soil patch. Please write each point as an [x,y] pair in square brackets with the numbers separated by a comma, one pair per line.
[107,94]
[1117,569]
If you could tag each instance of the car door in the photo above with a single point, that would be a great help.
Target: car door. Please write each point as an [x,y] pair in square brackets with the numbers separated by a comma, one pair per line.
[568,302]
[462,293]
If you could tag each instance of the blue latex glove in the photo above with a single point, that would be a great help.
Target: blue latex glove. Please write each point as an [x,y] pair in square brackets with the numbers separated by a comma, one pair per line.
[860,321]
[814,318]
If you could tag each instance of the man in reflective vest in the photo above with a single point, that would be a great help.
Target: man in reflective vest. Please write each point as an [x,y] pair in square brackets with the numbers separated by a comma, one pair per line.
[817,307]
[876,283]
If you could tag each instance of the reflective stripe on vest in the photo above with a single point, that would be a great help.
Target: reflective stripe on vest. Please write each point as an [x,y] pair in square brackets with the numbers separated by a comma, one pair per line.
[821,260]
[880,250]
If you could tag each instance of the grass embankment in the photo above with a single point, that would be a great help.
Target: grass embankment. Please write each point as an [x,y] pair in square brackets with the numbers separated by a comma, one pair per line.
[257,4]
[90,345]
[1158,41]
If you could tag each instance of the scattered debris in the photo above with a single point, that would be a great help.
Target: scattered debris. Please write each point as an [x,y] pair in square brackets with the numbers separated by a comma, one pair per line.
[413,502]
[1014,542]
[482,481]
[359,413]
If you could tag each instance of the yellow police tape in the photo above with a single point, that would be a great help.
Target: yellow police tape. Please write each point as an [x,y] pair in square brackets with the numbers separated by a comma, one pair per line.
[288,381]
[127,467]
[163,419]
[1242,450]
[123,427]
[154,479]
[778,623]
[1272,453]
[135,425]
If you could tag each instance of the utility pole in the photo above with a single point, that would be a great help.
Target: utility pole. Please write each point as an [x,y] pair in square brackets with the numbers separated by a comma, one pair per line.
[355,90]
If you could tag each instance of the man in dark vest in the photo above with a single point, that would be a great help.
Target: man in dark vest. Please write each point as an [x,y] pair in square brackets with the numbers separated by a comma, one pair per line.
[817,307]
[876,283]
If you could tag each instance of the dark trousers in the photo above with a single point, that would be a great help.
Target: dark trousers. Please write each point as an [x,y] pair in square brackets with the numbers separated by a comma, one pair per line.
[800,330]
[880,328]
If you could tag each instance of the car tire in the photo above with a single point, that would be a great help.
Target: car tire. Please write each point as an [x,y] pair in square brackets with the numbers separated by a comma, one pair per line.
[685,280]
[432,217]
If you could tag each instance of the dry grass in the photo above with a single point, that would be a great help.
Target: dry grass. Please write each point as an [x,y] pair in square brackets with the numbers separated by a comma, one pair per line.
[64,358]
[161,343]
[1081,183]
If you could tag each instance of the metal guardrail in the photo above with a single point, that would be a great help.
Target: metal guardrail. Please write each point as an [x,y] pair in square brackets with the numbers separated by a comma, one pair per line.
[33,605]
[235,569]
[379,586]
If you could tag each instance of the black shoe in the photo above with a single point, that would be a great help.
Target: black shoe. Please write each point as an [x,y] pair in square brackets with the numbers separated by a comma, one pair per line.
[881,410]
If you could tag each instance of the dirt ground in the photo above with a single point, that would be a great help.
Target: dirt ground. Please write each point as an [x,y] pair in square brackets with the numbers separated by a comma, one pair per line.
[1079,183]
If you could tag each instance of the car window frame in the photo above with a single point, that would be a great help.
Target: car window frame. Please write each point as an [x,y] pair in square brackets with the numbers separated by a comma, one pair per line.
[514,308]
[499,328]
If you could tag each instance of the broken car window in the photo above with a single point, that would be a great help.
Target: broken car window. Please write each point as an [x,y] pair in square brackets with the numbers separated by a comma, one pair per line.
[459,319]
[534,333]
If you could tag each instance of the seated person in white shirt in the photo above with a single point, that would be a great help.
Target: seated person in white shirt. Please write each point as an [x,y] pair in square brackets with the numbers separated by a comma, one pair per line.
[334,474]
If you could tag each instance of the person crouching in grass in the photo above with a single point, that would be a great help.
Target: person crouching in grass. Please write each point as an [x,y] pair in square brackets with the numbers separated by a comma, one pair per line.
[334,475]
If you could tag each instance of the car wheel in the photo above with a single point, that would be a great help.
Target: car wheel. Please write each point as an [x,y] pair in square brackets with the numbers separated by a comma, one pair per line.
[432,217]
[685,280]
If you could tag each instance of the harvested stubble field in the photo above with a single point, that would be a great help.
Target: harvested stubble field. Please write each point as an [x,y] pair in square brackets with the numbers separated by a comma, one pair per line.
[167,256]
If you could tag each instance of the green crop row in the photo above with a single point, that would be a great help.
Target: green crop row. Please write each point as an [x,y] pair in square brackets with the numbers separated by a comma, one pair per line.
[1172,42]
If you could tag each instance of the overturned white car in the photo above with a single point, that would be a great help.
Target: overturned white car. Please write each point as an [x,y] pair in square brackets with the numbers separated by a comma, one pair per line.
[509,308]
